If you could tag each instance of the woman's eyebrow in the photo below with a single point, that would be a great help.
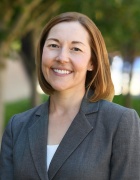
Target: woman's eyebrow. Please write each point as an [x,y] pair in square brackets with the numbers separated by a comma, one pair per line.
[78,42]
[73,42]
[52,39]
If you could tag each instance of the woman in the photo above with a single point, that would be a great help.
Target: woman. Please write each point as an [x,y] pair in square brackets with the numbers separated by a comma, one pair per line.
[78,134]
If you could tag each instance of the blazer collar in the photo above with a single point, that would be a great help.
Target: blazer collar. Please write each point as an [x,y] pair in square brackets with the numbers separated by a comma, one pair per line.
[89,107]
[76,133]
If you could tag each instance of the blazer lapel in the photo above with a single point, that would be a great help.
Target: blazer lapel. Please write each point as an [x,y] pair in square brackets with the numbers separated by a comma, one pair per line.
[38,141]
[76,133]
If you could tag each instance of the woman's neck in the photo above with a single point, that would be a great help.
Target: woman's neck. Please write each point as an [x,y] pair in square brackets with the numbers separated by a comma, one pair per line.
[63,102]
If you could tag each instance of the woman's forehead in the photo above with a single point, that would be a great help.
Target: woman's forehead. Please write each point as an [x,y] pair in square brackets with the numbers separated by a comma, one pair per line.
[69,30]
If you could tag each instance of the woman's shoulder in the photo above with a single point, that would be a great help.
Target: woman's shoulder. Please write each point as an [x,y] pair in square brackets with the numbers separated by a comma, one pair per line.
[114,107]
[20,123]
[28,117]
[30,112]
[115,113]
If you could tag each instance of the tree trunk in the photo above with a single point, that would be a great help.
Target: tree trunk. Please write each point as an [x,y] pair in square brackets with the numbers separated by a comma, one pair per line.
[129,56]
[128,98]
[28,60]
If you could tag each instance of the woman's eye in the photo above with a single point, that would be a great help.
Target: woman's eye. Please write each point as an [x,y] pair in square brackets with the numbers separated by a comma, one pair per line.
[53,46]
[76,49]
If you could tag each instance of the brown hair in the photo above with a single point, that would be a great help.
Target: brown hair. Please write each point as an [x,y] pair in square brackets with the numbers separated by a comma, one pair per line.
[99,80]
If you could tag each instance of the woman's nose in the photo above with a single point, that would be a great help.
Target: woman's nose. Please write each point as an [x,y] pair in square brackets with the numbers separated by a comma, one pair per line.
[63,56]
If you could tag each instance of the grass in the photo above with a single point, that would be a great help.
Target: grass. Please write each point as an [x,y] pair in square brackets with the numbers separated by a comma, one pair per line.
[23,105]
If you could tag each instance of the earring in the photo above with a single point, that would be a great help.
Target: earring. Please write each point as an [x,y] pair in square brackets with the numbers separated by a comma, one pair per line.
[90,69]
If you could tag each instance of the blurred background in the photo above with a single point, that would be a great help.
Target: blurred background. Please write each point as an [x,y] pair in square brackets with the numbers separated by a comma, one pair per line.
[21,22]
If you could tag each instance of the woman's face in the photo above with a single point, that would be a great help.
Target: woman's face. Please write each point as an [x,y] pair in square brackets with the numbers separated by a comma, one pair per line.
[66,56]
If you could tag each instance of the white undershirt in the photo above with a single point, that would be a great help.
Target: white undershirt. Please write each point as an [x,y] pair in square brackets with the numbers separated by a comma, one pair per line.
[51,149]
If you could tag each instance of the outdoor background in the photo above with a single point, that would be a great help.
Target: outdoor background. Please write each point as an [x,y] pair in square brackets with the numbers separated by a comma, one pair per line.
[21,22]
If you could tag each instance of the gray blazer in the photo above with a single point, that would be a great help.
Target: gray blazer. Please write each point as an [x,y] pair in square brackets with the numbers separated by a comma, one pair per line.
[102,143]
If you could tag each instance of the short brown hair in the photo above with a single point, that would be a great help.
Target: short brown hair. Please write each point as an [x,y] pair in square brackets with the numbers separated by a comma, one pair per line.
[99,80]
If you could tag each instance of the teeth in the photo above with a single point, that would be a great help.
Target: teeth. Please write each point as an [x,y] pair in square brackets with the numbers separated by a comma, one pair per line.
[61,71]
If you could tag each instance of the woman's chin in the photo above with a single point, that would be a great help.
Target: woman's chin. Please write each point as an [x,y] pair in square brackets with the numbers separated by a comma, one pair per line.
[60,89]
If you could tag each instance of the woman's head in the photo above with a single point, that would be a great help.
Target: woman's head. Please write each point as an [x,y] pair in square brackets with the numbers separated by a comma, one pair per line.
[99,79]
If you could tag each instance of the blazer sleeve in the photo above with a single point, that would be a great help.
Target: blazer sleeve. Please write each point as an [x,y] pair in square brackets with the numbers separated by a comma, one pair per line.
[125,160]
[6,154]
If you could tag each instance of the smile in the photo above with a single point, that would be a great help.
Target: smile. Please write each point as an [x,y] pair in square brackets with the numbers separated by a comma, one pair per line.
[61,71]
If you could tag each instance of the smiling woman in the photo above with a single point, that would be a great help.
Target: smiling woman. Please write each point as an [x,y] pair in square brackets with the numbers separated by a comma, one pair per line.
[66,57]
[97,79]
[78,134]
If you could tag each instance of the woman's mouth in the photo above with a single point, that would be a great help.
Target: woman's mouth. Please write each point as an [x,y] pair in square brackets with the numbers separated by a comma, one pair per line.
[62,71]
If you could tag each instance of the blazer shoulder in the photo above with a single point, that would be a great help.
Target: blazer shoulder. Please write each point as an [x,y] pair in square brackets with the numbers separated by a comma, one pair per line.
[26,119]
[26,115]
[114,118]
[113,107]
[116,113]
[20,123]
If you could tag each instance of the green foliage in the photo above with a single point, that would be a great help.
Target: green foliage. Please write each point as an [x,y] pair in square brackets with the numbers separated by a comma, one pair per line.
[14,108]
[118,20]
[16,45]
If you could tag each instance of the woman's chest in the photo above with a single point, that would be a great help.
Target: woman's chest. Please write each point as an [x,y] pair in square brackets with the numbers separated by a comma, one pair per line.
[90,160]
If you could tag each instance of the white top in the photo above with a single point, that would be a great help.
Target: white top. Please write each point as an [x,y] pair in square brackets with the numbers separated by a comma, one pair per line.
[51,149]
